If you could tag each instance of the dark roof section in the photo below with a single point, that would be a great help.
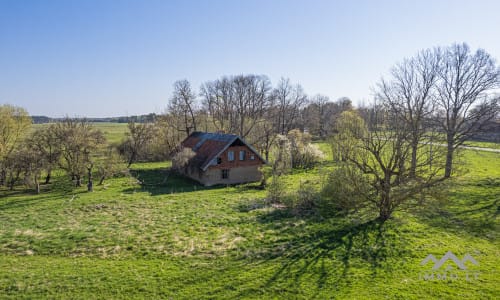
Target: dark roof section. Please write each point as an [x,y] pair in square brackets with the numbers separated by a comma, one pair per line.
[209,145]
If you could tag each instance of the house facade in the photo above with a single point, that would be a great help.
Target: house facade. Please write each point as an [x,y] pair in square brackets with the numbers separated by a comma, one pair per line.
[221,159]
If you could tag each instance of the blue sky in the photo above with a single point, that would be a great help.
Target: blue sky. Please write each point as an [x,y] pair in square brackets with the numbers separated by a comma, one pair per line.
[111,58]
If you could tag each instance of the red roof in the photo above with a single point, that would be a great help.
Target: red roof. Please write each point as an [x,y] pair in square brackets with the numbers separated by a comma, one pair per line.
[209,146]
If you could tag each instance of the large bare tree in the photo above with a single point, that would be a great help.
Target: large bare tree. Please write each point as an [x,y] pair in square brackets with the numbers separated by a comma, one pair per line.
[236,104]
[409,96]
[378,159]
[183,106]
[465,103]
[288,100]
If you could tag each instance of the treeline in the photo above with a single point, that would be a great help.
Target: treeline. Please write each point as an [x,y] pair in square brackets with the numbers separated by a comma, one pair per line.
[246,105]
[138,119]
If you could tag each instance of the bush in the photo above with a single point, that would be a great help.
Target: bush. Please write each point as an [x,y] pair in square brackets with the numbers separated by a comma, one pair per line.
[181,159]
[276,190]
[307,199]
[304,154]
[345,190]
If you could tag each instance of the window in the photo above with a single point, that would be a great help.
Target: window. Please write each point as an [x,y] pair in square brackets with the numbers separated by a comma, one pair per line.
[219,160]
[242,154]
[225,173]
[230,155]
[252,157]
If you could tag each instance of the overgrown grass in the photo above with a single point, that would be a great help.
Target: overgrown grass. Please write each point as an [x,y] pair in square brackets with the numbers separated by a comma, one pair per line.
[169,237]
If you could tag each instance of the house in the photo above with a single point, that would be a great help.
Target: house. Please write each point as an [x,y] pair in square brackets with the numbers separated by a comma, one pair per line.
[221,159]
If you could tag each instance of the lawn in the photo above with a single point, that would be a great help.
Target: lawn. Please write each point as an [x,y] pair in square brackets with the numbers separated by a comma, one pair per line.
[171,238]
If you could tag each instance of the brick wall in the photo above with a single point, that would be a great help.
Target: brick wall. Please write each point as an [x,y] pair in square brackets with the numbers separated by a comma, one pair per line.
[226,164]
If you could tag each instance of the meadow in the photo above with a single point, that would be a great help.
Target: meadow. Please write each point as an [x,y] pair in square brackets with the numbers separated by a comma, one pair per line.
[175,239]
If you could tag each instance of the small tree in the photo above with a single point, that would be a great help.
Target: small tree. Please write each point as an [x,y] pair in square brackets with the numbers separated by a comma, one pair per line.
[139,137]
[303,153]
[110,164]
[281,165]
[345,190]
[47,144]
[350,129]
[14,123]
[25,163]
[79,142]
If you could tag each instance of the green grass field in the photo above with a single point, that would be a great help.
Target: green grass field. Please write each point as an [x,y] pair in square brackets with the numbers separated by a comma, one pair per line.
[179,240]
[114,132]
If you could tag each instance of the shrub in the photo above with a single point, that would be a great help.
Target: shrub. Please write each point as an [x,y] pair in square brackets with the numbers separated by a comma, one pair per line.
[344,191]
[276,190]
[307,199]
[304,154]
[181,159]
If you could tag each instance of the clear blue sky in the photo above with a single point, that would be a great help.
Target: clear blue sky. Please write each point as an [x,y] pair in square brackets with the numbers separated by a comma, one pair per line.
[110,58]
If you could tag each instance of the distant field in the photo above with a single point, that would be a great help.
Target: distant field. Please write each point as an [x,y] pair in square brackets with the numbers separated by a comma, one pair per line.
[114,132]
[175,239]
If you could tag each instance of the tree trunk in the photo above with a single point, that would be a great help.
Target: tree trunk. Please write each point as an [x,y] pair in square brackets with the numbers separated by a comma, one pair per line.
[3,177]
[90,184]
[102,180]
[385,209]
[131,160]
[449,157]
[78,181]
[37,185]
[47,178]
[413,162]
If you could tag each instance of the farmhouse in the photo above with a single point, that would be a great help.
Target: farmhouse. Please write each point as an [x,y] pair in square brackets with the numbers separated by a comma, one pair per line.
[221,159]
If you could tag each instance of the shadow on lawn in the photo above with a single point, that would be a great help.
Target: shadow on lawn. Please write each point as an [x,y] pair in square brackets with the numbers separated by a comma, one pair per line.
[321,251]
[474,209]
[162,181]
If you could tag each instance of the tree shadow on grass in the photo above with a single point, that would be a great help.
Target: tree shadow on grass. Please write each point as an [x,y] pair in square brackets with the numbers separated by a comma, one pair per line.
[161,181]
[60,188]
[317,252]
[474,210]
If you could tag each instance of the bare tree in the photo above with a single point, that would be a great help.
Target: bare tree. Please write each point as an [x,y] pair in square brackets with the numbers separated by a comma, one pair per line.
[263,136]
[288,100]
[183,106]
[251,100]
[218,101]
[47,144]
[138,138]
[464,102]
[236,104]
[381,156]
[408,95]
[78,140]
